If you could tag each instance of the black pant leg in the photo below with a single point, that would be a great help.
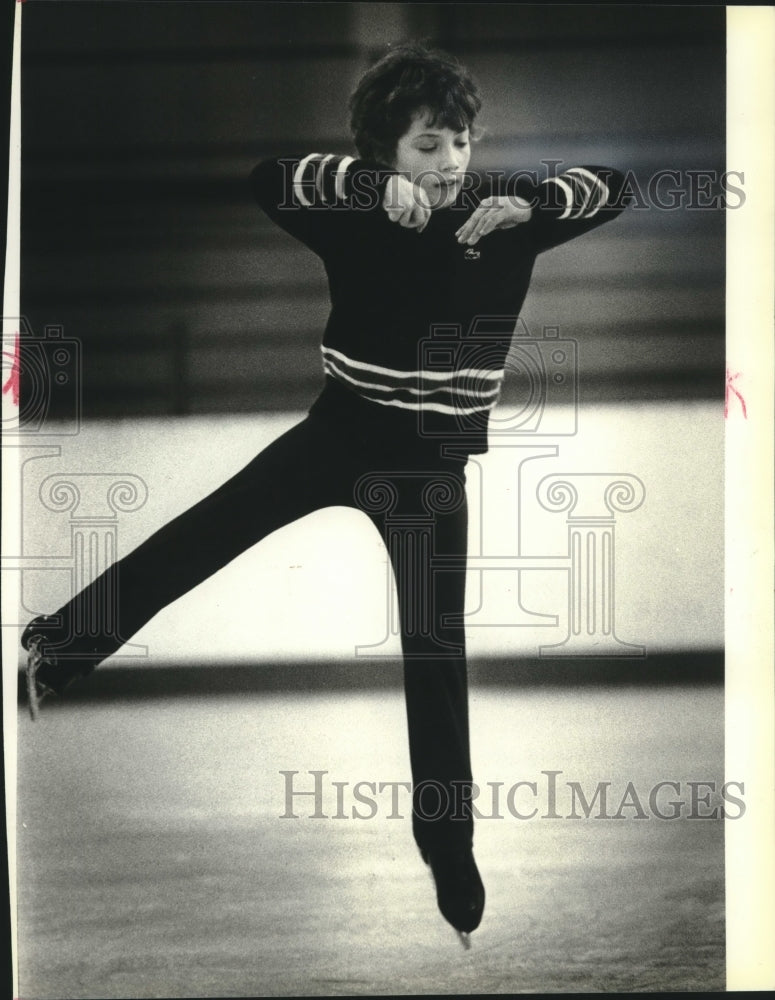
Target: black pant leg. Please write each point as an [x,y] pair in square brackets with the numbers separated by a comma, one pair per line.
[425,532]
[303,470]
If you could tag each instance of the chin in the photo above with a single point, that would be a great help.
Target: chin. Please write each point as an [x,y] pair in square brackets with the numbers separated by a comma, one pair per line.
[442,198]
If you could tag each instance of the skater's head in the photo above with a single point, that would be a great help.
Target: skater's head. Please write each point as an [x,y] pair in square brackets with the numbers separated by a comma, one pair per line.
[414,111]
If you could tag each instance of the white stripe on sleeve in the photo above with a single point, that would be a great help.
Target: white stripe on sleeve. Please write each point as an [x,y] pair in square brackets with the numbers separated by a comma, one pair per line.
[601,185]
[320,178]
[298,177]
[567,190]
[340,172]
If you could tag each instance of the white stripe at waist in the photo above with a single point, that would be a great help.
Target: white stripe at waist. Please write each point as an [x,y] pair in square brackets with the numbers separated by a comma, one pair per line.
[477,373]
[387,386]
[333,369]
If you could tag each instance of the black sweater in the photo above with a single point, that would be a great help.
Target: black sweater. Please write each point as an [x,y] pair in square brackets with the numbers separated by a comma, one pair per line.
[420,324]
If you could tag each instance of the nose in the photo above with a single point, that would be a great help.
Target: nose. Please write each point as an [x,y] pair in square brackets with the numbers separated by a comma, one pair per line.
[450,159]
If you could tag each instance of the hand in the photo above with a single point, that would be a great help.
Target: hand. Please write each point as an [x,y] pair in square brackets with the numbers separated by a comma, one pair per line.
[496,212]
[406,203]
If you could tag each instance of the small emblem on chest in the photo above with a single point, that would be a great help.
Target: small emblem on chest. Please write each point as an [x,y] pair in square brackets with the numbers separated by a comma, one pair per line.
[472,254]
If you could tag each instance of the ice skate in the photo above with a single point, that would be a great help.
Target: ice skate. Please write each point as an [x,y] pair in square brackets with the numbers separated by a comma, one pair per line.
[459,889]
[45,675]
[37,690]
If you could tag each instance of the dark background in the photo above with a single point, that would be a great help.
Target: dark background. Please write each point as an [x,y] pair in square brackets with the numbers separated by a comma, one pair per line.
[141,122]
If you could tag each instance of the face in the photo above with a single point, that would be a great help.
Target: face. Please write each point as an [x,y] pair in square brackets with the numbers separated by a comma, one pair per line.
[434,157]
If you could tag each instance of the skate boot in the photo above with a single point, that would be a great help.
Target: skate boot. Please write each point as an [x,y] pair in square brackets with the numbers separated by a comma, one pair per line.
[45,674]
[459,888]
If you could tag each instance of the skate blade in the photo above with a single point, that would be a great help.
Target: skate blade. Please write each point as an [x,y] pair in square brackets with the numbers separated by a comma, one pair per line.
[465,939]
[33,700]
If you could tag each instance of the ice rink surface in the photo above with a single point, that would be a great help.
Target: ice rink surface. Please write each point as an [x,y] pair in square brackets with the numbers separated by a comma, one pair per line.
[154,859]
[154,856]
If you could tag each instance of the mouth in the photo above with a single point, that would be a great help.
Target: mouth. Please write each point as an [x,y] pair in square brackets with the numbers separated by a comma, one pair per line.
[444,191]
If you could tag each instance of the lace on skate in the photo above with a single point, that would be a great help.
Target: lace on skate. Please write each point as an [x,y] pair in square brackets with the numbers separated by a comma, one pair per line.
[36,690]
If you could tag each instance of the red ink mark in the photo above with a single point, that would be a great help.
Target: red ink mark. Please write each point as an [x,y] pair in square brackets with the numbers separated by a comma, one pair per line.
[12,383]
[730,388]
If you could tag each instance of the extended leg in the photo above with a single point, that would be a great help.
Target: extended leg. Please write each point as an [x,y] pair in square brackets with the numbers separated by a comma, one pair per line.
[296,474]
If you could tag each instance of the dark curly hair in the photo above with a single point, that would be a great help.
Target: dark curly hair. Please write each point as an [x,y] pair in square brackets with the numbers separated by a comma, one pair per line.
[406,80]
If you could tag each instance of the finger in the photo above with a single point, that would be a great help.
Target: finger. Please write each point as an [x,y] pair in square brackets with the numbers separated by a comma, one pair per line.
[421,199]
[470,224]
[415,216]
[395,211]
[465,226]
[473,226]
[480,210]
[485,225]
[406,217]
[423,216]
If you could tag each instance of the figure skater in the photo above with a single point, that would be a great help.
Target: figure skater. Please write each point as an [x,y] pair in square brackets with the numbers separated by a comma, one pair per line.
[411,241]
